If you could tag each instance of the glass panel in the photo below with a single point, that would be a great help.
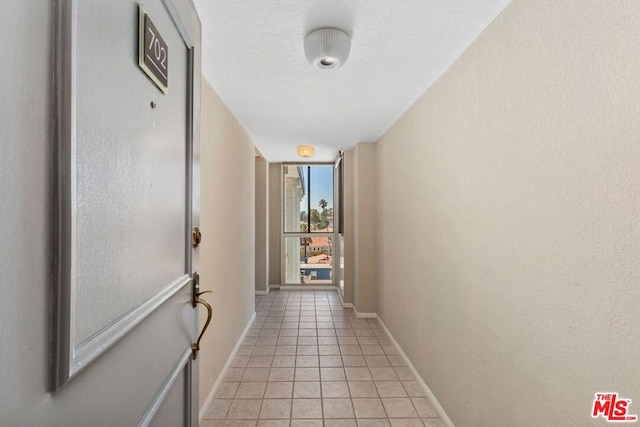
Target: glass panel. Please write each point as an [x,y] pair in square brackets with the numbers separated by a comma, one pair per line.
[322,199]
[296,180]
[308,260]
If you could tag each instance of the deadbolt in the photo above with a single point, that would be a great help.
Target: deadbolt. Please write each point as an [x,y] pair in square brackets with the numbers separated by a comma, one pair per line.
[196,237]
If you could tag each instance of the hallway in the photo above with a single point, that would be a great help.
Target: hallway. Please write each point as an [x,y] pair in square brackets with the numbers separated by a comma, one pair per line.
[308,362]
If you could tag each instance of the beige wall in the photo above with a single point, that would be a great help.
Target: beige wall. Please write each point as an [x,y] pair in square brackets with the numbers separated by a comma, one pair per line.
[363,227]
[509,219]
[275,221]
[228,229]
[262,224]
[349,241]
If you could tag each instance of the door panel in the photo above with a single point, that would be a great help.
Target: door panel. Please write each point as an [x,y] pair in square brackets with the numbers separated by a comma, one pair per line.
[130,158]
[124,316]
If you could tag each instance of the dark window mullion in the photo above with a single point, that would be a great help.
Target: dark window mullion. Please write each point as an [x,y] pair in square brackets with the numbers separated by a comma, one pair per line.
[309,199]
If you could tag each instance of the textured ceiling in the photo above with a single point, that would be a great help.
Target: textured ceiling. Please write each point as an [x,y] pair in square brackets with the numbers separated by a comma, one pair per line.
[253,57]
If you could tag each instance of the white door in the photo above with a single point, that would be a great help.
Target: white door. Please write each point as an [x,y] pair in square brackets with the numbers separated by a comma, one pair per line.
[126,207]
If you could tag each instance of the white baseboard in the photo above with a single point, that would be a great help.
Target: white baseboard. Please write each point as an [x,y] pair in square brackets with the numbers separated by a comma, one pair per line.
[260,293]
[209,400]
[274,286]
[364,315]
[432,398]
[307,288]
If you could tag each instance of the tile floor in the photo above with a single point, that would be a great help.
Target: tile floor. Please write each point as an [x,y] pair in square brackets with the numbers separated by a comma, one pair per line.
[307,362]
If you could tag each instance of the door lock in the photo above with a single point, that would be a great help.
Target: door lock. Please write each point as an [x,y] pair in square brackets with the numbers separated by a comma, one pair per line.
[196,237]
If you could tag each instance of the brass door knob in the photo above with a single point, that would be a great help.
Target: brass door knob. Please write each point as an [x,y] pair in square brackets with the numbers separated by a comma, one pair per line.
[196,237]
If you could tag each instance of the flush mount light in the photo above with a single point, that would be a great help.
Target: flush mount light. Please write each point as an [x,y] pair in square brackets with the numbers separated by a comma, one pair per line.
[305,150]
[327,48]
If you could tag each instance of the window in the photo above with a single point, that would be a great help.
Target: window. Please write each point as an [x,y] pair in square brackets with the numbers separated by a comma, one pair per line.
[308,227]
[308,199]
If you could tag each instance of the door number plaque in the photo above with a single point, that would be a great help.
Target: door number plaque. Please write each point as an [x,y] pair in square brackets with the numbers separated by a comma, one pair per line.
[153,52]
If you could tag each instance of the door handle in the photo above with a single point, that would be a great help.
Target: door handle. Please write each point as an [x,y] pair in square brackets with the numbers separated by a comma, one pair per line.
[195,348]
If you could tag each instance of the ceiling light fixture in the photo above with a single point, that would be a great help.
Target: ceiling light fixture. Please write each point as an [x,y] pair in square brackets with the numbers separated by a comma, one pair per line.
[327,48]
[305,150]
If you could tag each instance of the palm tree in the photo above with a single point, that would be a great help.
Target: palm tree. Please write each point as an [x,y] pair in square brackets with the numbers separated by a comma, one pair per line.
[323,204]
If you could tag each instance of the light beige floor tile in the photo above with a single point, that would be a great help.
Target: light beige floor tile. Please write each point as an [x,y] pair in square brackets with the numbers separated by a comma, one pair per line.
[244,409]
[307,361]
[424,408]
[377,360]
[371,349]
[399,407]
[331,361]
[348,341]
[307,333]
[363,389]
[240,362]
[326,333]
[239,423]
[335,389]
[413,389]
[267,341]
[227,390]
[404,373]
[390,389]
[279,390]
[396,360]
[255,374]
[373,423]
[307,350]
[307,374]
[273,423]
[281,374]
[368,408]
[337,408]
[389,349]
[327,341]
[332,374]
[354,361]
[339,423]
[245,350]
[288,333]
[286,350]
[260,361]
[306,408]
[383,373]
[406,422]
[250,390]
[263,350]
[283,362]
[307,341]
[433,422]
[329,350]
[306,389]
[218,409]
[276,409]
[358,374]
[287,341]
[350,350]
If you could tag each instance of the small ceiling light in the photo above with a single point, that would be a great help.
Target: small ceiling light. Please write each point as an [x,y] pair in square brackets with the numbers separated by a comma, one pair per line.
[327,48]
[305,150]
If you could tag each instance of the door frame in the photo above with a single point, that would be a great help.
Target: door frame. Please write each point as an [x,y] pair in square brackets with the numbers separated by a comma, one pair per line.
[70,357]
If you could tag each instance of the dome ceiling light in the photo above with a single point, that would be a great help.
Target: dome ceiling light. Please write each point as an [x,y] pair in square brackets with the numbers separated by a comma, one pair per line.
[327,48]
[305,150]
